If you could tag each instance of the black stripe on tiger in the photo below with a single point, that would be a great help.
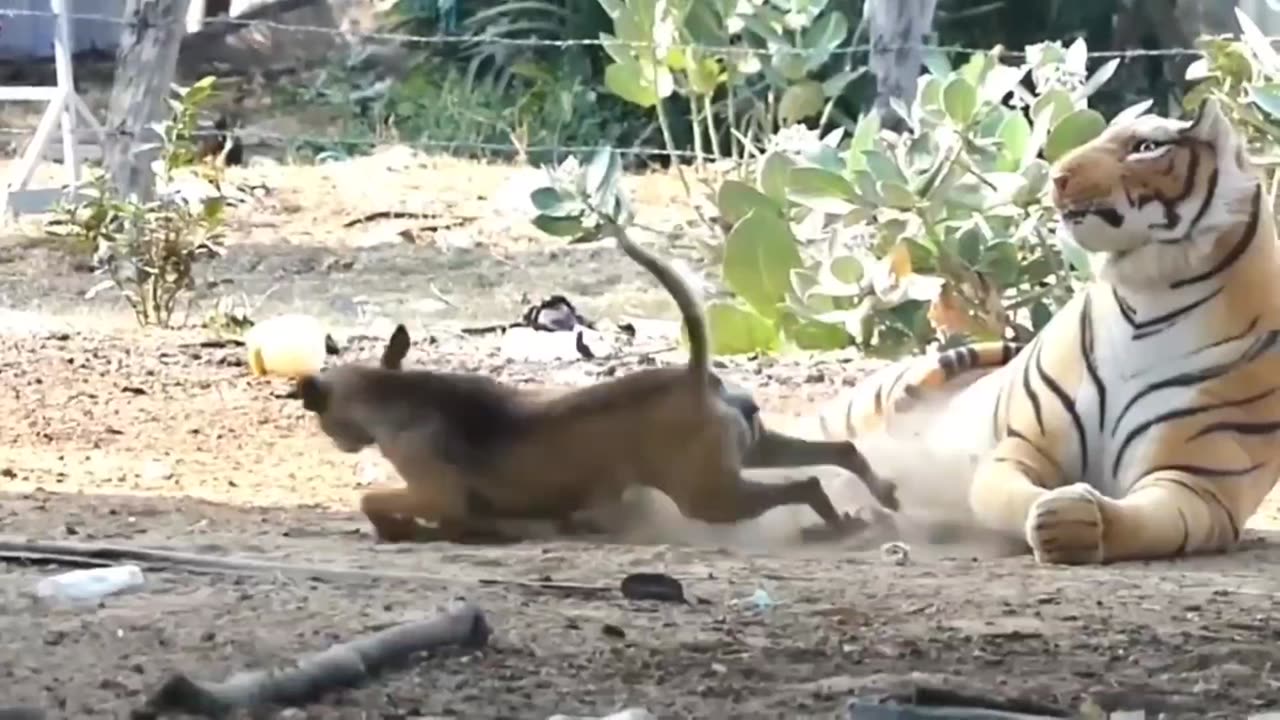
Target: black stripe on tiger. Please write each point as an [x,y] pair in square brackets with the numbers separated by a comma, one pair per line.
[1069,407]
[1090,359]
[1210,191]
[911,382]
[1150,327]
[1170,204]
[1236,251]
[1204,494]
[1264,343]
[1242,428]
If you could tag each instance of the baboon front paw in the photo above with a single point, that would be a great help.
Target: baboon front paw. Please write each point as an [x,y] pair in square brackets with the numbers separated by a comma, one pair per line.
[396,530]
[1065,526]
[846,526]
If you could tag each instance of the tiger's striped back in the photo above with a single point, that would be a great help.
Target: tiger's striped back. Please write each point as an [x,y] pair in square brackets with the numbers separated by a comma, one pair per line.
[911,386]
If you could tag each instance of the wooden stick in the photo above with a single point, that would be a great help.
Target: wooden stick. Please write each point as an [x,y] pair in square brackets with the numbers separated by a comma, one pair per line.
[347,665]
[85,553]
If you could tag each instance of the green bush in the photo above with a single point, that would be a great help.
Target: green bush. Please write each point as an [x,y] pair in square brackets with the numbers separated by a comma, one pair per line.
[771,59]
[436,105]
[888,241]
[1244,74]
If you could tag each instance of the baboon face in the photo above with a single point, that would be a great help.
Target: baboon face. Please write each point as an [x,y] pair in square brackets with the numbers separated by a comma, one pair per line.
[336,396]
[325,397]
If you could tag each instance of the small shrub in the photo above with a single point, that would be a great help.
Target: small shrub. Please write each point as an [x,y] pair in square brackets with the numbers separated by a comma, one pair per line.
[149,248]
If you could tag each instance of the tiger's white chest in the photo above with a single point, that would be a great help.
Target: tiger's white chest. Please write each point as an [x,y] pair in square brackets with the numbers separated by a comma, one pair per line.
[1123,406]
[1107,429]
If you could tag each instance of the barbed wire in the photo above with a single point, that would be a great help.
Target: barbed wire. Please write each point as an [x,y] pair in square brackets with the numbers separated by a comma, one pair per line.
[495,40]
[249,136]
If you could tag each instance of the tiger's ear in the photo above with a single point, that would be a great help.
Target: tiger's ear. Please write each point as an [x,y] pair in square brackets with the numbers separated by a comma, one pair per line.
[397,348]
[1209,124]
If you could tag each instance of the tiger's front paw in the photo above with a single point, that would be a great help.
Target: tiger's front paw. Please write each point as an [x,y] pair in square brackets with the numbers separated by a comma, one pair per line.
[1065,526]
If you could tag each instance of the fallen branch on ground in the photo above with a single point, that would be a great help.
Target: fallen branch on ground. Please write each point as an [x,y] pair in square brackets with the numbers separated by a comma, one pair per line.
[85,553]
[347,665]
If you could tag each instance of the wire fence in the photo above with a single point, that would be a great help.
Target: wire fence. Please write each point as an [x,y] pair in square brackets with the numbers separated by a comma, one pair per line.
[320,143]
[497,40]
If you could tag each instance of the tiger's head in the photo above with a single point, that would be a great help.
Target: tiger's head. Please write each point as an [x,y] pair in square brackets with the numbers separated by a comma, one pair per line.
[1154,194]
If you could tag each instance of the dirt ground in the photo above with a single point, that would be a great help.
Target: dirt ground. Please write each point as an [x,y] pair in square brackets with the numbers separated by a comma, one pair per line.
[154,439]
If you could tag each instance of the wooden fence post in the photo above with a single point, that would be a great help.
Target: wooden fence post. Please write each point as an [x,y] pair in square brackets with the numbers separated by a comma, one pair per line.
[897,29]
[145,63]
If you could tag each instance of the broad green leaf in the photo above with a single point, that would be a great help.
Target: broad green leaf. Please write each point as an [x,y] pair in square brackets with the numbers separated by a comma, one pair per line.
[883,167]
[704,26]
[975,70]
[1000,261]
[1040,128]
[601,178]
[800,101]
[817,183]
[1077,56]
[1015,135]
[1267,97]
[823,37]
[960,100]
[840,276]
[559,226]
[802,279]
[772,175]
[814,335]
[735,199]
[857,216]
[1059,101]
[628,81]
[545,199]
[1096,80]
[1036,176]
[852,319]
[737,329]
[1000,81]
[619,51]
[969,246]
[937,62]
[1258,44]
[897,195]
[1041,314]
[928,100]
[864,138]
[1198,70]
[759,255]
[705,76]
[790,65]
[836,84]
[1073,131]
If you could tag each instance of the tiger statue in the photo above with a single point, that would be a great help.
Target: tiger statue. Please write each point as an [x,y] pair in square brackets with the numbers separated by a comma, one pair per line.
[1141,423]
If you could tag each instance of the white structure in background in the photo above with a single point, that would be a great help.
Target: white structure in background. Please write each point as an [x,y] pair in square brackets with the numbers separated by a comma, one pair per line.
[62,108]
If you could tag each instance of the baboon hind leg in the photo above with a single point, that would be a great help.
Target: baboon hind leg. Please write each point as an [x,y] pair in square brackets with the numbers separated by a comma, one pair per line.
[777,450]
[394,513]
[734,498]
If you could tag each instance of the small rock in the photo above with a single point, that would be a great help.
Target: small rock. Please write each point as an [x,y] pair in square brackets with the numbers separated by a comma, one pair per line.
[155,471]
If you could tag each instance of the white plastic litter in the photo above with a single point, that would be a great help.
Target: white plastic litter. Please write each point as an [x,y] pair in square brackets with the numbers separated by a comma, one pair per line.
[627,714]
[78,586]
